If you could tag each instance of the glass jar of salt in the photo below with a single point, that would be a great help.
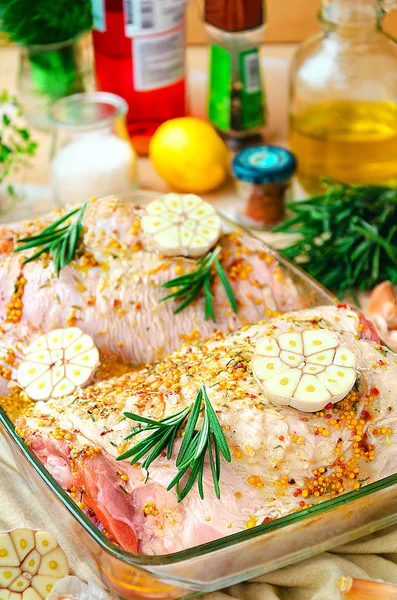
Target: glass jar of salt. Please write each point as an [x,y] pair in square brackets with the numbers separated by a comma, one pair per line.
[91,153]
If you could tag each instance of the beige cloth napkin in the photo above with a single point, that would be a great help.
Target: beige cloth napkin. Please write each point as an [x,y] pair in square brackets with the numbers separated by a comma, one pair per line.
[373,557]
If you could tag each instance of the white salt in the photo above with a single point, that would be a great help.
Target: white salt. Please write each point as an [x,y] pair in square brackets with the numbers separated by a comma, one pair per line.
[92,165]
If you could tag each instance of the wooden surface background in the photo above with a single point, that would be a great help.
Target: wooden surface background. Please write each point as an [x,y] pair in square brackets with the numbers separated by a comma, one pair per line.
[287,20]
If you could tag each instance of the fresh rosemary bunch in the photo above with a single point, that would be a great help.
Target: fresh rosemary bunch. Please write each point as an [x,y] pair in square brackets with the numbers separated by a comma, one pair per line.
[348,236]
[192,284]
[194,447]
[61,243]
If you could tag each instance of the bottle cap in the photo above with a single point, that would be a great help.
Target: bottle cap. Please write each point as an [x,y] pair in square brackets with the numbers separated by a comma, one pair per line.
[264,164]
[234,15]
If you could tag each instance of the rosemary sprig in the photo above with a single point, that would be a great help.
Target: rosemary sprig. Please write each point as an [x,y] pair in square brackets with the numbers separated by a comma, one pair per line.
[192,284]
[61,243]
[196,444]
[348,236]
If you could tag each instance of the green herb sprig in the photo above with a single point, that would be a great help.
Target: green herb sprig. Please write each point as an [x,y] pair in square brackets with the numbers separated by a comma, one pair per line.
[209,440]
[348,236]
[192,284]
[61,243]
[16,145]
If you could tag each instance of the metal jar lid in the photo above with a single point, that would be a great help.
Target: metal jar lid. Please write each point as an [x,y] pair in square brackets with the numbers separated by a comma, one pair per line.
[264,164]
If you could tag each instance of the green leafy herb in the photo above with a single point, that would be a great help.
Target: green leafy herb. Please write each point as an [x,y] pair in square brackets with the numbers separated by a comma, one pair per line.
[192,284]
[45,21]
[61,243]
[348,236]
[209,440]
[16,145]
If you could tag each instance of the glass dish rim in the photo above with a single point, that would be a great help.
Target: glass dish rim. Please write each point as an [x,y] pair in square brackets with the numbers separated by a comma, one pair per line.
[146,561]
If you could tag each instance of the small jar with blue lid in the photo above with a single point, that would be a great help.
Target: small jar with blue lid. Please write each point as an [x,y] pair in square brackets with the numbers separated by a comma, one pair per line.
[263,177]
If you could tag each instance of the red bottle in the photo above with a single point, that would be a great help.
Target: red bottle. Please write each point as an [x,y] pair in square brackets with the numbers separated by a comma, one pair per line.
[140,55]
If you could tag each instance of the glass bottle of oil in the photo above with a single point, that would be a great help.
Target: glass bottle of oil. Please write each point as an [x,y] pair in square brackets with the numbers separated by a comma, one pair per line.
[343,105]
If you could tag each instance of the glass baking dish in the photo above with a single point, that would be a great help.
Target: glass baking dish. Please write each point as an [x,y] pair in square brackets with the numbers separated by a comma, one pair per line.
[231,559]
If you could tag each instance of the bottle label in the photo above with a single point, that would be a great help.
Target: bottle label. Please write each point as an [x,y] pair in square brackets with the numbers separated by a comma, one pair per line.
[252,100]
[144,17]
[98,15]
[219,109]
[158,60]
[236,105]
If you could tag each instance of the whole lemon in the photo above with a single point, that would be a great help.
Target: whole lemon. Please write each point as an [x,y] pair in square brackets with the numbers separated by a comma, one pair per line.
[189,155]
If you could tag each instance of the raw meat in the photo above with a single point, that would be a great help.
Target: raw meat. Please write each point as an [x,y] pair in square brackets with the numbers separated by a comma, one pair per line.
[112,290]
[282,460]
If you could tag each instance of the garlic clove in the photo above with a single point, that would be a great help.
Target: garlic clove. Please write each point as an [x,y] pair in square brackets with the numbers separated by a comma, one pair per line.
[23,540]
[86,359]
[71,334]
[83,344]
[41,388]
[55,339]
[4,595]
[54,564]
[31,594]
[57,374]
[19,584]
[190,202]
[45,542]
[8,554]
[40,357]
[315,340]
[43,584]
[77,375]
[156,207]
[152,225]
[39,344]
[309,390]
[63,388]
[337,380]
[312,369]
[283,385]
[15,596]
[28,372]
[291,358]
[173,202]
[182,225]
[265,368]
[8,575]
[321,358]
[32,562]
[291,341]
[344,358]
[267,347]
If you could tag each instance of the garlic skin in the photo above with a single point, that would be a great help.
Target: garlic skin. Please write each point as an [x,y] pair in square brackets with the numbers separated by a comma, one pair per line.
[72,588]
[31,562]
[306,370]
[58,363]
[383,307]
[182,225]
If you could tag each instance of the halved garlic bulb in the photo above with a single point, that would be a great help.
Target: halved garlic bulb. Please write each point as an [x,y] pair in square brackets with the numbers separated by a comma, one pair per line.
[182,225]
[58,363]
[306,370]
[31,562]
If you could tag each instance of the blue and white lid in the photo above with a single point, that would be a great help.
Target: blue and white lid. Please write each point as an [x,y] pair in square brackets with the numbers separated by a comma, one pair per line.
[264,164]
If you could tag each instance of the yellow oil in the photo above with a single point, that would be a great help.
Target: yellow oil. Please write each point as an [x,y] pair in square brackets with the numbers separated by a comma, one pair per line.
[354,142]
